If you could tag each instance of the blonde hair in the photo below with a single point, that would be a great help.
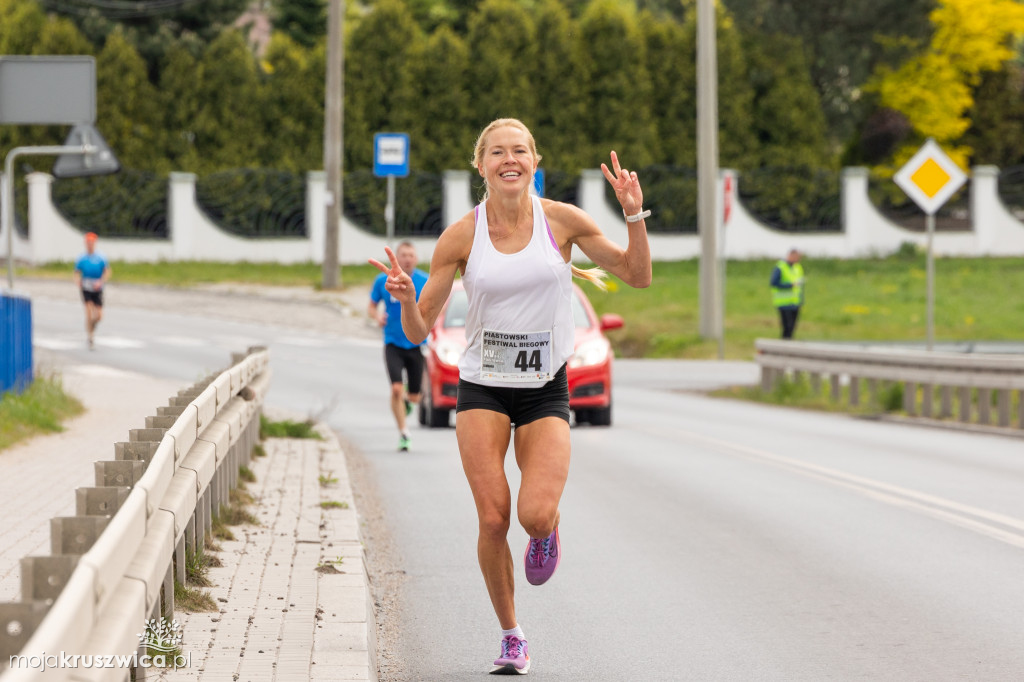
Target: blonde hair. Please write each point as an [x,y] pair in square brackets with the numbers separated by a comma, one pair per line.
[595,276]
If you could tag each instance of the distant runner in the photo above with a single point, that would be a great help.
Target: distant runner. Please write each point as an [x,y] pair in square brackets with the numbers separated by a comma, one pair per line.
[92,271]
[513,252]
[399,353]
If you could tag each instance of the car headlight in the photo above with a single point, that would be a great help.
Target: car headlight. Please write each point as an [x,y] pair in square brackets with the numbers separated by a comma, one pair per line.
[590,353]
[449,352]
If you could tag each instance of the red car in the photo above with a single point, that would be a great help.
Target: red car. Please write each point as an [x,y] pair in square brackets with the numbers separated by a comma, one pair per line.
[589,369]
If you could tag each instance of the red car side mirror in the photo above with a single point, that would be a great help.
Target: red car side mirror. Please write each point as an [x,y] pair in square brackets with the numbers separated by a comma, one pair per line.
[610,321]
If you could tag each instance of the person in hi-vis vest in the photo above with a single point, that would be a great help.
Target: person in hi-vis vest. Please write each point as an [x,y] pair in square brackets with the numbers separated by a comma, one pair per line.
[788,291]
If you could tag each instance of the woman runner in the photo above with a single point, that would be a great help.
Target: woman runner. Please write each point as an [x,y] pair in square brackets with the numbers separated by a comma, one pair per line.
[513,253]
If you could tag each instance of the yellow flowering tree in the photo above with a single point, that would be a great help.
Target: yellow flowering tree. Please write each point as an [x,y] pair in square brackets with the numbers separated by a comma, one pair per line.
[934,90]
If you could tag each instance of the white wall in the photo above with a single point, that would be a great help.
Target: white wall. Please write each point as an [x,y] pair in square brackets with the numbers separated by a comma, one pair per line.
[866,232]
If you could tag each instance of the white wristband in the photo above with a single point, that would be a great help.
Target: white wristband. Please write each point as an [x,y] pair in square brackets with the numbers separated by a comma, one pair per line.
[638,217]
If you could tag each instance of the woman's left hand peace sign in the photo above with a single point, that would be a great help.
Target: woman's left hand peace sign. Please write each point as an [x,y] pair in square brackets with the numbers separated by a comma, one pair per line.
[626,186]
[399,283]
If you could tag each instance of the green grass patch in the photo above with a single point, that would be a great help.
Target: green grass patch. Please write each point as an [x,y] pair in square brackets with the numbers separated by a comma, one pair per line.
[191,273]
[39,409]
[287,429]
[258,451]
[333,504]
[245,474]
[881,299]
[327,479]
[192,599]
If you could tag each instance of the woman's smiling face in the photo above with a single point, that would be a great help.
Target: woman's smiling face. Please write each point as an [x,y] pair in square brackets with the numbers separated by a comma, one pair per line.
[508,161]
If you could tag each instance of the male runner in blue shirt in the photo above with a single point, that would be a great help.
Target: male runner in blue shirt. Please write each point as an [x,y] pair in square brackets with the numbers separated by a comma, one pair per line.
[399,352]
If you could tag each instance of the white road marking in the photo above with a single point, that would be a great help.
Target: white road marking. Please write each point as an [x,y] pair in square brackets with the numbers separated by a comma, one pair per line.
[991,524]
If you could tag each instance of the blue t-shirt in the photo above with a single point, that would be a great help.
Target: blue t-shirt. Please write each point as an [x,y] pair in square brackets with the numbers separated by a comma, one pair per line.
[393,332]
[91,265]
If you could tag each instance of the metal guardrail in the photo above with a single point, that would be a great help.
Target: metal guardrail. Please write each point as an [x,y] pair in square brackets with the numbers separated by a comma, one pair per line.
[931,382]
[15,341]
[114,564]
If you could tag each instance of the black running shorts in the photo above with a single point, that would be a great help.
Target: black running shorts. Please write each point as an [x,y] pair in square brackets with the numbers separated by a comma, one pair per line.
[93,297]
[520,405]
[410,359]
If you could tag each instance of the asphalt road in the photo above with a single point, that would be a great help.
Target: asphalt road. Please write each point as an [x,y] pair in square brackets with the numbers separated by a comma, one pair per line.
[703,539]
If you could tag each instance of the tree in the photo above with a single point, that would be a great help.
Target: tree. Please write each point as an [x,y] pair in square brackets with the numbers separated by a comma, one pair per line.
[441,135]
[228,128]
[845,41]
[293,106]
[379,88]
[502,48]
[671,55]
[934,89]
[304,21]
[558,76]
[180,102]
[997,118]
[128,113]
[618,91]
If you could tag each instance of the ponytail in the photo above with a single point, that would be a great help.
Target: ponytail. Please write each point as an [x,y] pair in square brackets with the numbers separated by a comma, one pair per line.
[595,276]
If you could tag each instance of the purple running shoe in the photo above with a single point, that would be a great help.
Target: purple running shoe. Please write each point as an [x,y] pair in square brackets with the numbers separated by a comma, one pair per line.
[542,557]
[514,659]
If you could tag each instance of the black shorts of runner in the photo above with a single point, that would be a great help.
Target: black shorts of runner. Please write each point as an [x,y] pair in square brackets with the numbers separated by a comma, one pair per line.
[95,297]
[410,359]
[520,405]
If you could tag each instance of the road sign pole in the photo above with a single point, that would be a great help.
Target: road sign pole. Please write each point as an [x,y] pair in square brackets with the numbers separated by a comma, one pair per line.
[389,211]
[7,192]
[930,303]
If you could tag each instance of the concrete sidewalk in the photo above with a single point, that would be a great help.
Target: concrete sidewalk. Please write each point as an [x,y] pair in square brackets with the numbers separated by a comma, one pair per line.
[293,597]
[292,594]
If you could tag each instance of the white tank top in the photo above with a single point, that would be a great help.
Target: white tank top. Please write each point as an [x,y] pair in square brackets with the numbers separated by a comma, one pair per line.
[519,326]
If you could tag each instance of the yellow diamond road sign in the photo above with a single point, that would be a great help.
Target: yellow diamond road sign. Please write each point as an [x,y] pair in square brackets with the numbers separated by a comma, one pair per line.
[930,178]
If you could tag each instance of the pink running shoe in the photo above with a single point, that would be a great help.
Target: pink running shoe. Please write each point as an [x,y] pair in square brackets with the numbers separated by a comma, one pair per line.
[514,659]
[542,557]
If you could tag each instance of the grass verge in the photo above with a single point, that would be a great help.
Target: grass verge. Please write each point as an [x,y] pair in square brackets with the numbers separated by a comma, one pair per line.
[40,408]
[287,428]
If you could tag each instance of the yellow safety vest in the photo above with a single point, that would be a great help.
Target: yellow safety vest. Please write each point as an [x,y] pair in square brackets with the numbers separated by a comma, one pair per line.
[790,274]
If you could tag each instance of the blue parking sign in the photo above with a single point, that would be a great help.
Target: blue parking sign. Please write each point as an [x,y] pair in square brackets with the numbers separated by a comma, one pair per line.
[391,154]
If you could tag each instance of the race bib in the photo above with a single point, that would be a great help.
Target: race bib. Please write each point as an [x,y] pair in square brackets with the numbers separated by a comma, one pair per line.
[515,356]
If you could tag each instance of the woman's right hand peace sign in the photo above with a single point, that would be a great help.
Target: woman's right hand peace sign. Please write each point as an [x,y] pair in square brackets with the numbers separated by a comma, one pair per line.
[399,283]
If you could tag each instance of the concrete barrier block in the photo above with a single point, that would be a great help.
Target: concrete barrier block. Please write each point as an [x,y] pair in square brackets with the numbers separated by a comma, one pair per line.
[160,422]
[115,632]
[202,459]
[180,499]
[118,473]
[142,451]
[170,410]
[178,401]
[184,431]
[18,621]
[222,386]
[153,557]
[158,476]
[100,501]
[75,534]
[108,556]
[237,379]
[206,407]
[43,577]
[146,434]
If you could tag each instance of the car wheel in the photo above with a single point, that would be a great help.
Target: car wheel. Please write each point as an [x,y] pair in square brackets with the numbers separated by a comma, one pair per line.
[601,416]
[582,416]
[430,417]
[438,419]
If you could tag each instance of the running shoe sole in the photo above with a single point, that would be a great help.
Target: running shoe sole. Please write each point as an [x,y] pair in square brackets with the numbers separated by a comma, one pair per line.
[509,669]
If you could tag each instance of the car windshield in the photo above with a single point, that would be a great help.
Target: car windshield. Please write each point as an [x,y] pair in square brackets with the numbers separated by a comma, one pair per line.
[455,315]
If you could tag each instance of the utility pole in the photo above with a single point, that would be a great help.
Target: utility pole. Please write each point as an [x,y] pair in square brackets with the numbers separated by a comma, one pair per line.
[707,170]
[334,120]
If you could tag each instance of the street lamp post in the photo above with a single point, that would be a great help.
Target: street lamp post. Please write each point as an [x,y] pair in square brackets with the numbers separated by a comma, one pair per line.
[707,171]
